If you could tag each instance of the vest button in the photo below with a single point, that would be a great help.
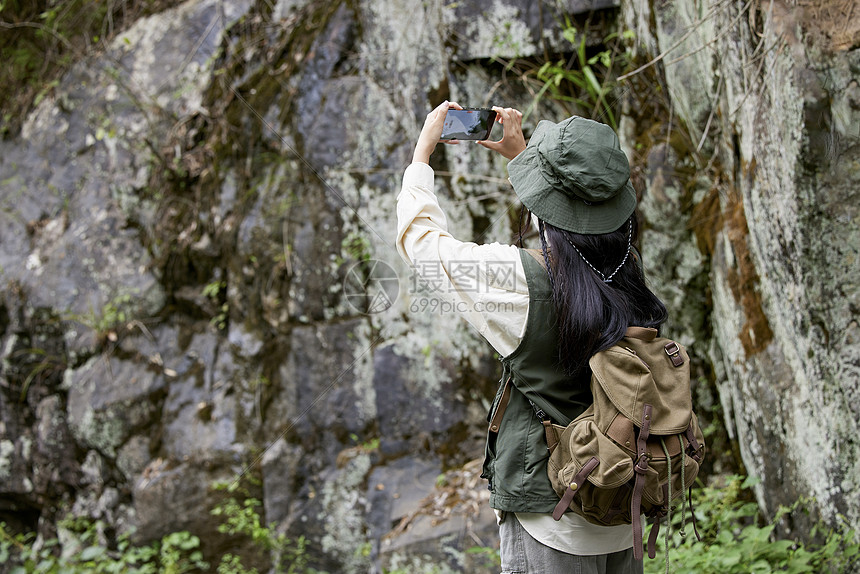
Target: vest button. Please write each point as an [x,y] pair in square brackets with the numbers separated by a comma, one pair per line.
[573,486]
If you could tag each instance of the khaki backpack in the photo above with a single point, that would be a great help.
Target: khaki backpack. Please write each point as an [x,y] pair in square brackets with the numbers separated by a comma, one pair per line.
[638,446]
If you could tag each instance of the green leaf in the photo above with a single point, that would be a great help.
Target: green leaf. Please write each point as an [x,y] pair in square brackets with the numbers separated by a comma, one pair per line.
[730,558]
[594,85]
[605,58]
[569,34]
[543,69]
[581,51]
[760,567]
[91,553]
[750,482]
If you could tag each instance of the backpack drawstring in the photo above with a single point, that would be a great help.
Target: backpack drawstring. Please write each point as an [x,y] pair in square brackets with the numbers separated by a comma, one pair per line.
[668,502]
[683,532]
[693,514]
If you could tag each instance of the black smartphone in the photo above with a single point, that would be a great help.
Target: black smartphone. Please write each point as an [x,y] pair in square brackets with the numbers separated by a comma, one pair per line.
[468,124]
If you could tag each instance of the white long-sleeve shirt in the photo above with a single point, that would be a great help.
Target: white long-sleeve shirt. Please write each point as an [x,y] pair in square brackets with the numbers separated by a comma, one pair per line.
[487,283]
[484,278]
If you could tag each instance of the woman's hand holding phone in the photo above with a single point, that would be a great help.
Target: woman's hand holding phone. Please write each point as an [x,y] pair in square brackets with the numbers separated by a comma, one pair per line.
[431,131]
[513,141]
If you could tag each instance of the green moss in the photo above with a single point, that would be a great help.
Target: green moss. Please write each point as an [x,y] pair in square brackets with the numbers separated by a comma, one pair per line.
[42,40]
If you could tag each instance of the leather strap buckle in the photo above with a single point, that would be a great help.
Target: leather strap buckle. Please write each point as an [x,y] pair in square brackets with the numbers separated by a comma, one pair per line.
[674,353]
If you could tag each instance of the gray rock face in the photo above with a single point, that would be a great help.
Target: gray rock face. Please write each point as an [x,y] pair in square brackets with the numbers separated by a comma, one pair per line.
[178,220]
[769,139]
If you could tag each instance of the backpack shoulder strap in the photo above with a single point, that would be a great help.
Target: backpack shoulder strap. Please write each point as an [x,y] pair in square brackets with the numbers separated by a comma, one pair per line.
[643,333]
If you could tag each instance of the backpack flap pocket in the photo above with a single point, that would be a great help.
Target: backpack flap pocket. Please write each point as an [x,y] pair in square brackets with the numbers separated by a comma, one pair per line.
[640,374]
[657,477]
[597,495]
[586,441]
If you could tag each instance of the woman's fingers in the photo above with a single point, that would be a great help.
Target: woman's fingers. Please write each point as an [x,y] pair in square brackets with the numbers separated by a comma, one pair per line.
[430,133]
[513,141]
[438,111]
[501,114]
[507,114]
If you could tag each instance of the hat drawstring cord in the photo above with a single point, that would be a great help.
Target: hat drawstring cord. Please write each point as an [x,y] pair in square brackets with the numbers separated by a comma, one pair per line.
[608,279]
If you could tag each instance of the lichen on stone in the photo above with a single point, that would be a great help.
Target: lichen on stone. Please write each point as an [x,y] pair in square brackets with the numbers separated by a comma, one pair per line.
[343,514]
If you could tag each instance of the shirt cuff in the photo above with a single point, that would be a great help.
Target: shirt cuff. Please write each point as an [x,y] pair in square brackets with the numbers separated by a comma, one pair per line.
[418,174]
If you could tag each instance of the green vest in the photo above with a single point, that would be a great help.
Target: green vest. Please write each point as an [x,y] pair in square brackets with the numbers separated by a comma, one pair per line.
[516,454]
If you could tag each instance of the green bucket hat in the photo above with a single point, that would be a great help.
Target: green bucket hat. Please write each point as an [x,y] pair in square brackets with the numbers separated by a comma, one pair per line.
[574,176]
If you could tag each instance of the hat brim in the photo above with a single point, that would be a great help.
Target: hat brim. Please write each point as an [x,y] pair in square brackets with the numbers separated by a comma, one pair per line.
[557,208]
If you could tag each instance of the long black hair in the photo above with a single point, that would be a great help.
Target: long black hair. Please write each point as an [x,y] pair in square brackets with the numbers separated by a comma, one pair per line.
[593,314]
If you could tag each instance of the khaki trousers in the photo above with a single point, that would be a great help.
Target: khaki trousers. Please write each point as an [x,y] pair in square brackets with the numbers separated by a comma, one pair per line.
[522,554]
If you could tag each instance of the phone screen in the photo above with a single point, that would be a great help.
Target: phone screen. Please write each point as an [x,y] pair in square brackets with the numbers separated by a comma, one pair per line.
[468,124]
